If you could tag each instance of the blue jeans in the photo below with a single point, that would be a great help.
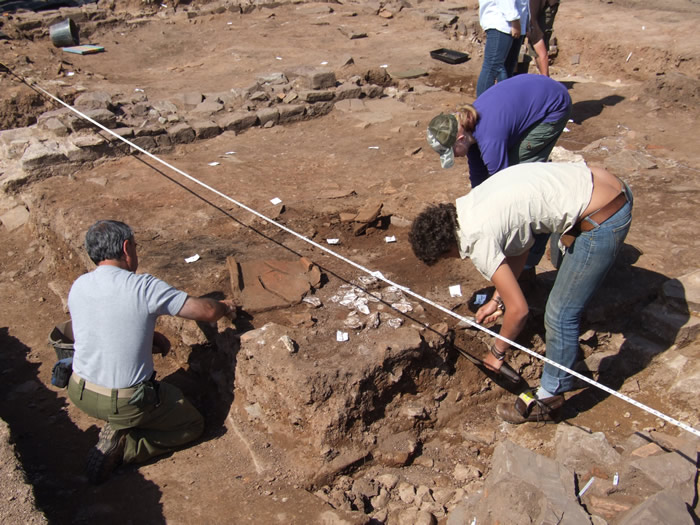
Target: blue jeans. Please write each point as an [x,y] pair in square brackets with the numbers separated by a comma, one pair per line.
[500,58]
[585,264]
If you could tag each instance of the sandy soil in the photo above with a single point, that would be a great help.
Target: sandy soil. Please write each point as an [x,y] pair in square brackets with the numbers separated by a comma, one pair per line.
[619,62]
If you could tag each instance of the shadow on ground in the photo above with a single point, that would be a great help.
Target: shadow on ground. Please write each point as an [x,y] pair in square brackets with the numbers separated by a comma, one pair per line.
[52,451]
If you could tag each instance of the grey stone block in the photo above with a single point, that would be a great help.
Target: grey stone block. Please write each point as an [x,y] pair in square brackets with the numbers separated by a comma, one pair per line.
[312,77]
[579,450]
[149,131]
[660,509]
[683,293]
[672,471]
[94,100]
[146,142]
[101,116]
[42,155]
[55,126]
[208,107]
[164,142]
[204,129]
[372,90]
[14,218]
[237,121]
[315,96]
[291,112]
[348,91]
[267,115]
[181,133]
[319,109]
[272,78]
[669,325]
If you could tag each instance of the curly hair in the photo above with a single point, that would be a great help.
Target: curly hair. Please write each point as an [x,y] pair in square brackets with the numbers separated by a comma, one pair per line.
[434,232]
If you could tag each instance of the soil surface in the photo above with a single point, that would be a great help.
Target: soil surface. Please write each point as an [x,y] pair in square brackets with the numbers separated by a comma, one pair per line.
[633,73]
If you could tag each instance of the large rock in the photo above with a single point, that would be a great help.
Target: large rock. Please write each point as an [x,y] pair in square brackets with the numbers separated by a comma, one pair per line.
[259,286]
[663,508]
[683,293]
[524,488]
[328,397]
[42,155]
[671,470]
[582,451]
[94,100]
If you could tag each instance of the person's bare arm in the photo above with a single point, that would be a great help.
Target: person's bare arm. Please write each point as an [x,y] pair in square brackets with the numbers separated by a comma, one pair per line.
[542,58]
[516,309]
[205,309]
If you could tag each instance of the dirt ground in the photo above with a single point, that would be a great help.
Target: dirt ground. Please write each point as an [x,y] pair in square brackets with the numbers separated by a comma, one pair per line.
[633,73]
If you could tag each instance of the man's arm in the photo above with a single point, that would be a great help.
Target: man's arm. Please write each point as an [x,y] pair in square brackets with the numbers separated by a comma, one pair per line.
[542,58]
[205,309]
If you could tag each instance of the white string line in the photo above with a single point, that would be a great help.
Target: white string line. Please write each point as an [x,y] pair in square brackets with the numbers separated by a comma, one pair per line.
[379,275]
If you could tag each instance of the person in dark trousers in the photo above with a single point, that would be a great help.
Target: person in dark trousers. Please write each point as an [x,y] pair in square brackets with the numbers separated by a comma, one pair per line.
[539,34]
[113,312]
[495,226]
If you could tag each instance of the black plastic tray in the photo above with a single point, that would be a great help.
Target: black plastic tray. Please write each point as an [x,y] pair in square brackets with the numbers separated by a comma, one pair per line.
[449,55]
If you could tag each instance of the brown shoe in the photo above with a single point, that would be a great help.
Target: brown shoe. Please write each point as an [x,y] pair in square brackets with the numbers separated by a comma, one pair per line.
[107,455]
[528,408]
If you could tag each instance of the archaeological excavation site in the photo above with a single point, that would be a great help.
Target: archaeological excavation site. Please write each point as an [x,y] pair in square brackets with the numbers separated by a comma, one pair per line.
[274,154]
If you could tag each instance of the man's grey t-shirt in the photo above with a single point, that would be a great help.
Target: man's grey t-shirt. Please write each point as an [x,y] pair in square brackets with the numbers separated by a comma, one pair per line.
[114,314]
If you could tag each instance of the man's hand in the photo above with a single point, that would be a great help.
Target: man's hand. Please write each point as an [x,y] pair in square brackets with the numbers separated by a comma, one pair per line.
[232,308]
[515,30]
[161,344]
[488,313]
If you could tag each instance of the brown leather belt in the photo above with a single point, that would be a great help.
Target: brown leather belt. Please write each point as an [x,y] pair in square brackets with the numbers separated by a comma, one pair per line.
[103,390]
[599,217]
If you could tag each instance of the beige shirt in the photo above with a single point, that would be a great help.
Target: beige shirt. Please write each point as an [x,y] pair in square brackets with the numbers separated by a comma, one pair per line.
[500,217]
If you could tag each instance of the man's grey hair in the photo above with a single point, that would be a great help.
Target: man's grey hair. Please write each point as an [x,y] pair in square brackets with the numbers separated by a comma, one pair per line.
[105,240]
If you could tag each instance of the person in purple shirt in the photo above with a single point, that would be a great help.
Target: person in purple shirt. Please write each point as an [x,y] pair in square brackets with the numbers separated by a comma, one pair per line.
[517,120]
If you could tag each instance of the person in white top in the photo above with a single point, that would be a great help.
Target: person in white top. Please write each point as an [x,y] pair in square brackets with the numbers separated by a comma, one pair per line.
[505,23]
[495,226]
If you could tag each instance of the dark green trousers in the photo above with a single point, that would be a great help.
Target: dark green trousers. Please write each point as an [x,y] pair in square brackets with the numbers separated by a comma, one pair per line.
[153,430]
[537,142]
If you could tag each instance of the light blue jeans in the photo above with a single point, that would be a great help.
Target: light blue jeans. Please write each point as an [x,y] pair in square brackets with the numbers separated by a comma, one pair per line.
[585,264]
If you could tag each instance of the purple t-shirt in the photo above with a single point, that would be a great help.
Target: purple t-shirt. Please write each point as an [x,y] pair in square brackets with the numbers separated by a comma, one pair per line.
[506,111]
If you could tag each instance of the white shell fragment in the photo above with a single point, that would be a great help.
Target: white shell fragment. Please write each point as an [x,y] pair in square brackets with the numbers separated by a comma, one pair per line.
[395,322]
[341,336]
[403,307]
[353,321]
[289,344]
[313,301]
